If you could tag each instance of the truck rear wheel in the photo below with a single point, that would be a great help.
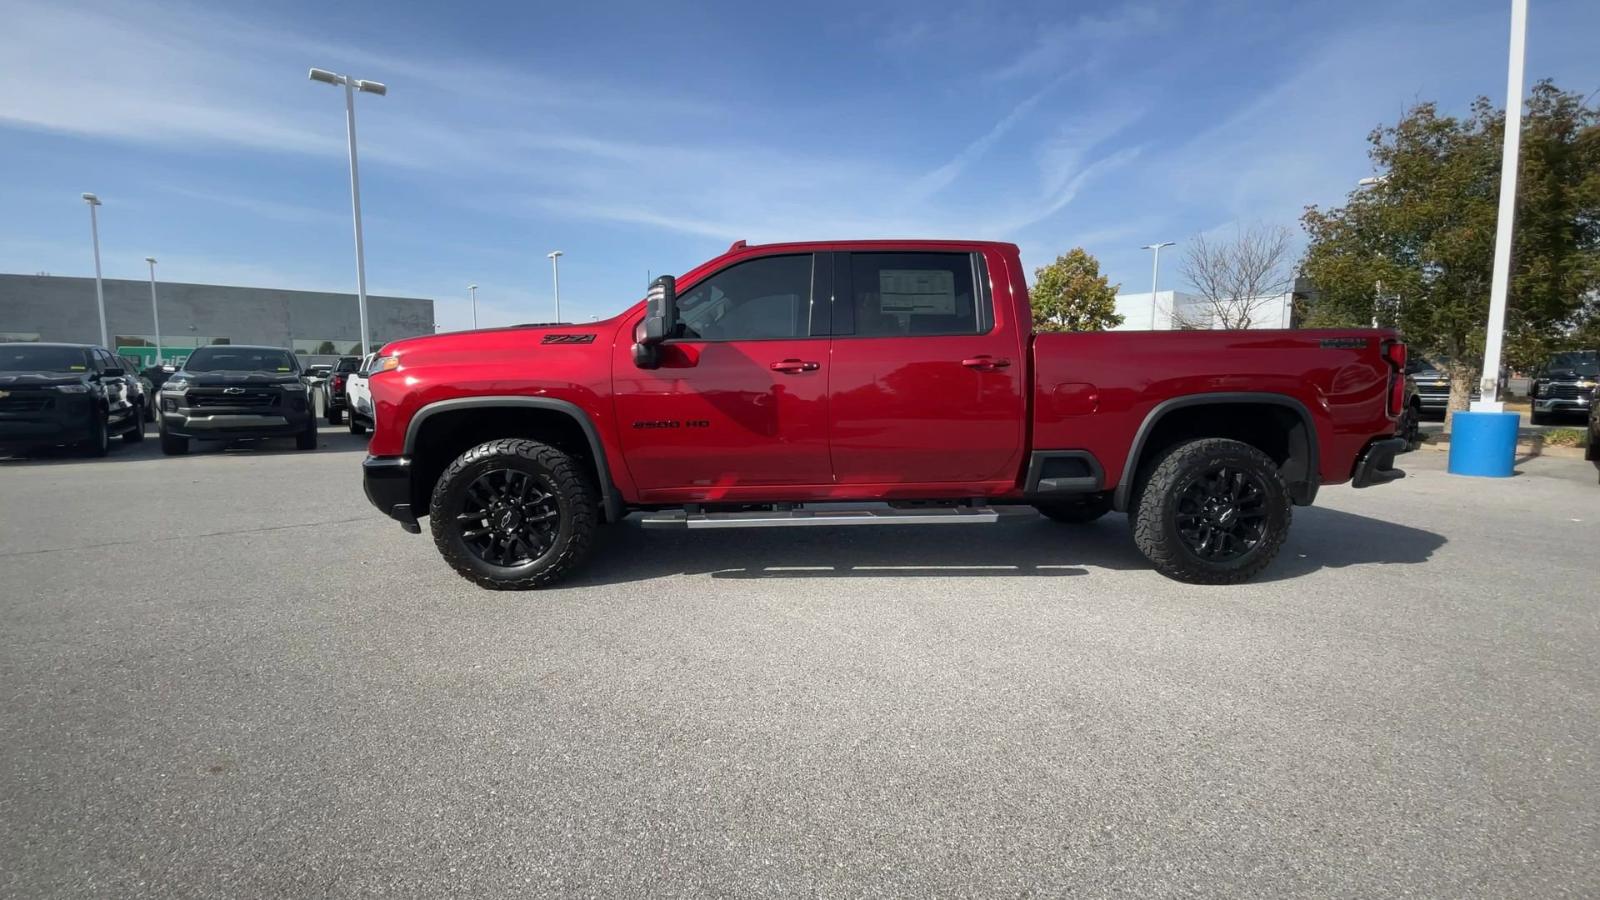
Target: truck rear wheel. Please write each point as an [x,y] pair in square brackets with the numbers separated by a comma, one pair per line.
[1083,509]
[514,514]
[1211,511]
[335,416]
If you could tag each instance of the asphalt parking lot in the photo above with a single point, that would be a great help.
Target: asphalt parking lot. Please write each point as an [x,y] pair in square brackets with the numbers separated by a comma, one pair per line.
[225,675]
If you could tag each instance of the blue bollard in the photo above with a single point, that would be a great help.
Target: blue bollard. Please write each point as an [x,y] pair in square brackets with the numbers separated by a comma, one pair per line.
[1484,444]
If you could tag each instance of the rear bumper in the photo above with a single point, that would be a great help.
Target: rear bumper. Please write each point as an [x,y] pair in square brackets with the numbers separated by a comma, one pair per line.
[387,483]
[1376,465]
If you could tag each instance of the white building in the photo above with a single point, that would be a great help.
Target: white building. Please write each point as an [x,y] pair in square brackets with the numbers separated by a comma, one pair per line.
[1177,309]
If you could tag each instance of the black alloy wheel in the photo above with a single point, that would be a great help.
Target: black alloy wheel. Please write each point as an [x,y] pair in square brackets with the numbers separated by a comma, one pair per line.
[1222,513]
[514,514]
[508,519]
[1210,511]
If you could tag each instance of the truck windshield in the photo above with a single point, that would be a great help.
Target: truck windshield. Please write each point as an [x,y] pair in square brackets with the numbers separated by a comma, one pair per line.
[1582,362]
[217,358]
[25,358]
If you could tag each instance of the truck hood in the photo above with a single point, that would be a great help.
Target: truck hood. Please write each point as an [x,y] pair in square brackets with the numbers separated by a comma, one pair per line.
[236,379]
[37,379]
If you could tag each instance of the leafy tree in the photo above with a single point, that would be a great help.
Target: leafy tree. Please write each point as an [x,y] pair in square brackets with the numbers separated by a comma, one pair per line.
[1070,294]
[1415,250]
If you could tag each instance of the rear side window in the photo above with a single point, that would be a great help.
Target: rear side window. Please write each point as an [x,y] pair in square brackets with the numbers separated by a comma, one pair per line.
[909,294]
[761,299]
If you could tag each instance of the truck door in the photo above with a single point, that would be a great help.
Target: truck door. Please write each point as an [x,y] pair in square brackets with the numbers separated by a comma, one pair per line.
[740,398]
[926,382]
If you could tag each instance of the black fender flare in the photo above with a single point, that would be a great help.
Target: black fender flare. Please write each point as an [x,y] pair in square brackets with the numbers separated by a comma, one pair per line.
[610,499]
[1303,492]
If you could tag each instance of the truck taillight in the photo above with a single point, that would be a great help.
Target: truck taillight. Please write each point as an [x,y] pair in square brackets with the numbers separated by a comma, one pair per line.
[1395,353]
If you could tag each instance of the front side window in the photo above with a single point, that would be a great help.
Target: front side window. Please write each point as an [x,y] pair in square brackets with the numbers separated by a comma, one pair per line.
[906,294]
[222,358]
[761,299]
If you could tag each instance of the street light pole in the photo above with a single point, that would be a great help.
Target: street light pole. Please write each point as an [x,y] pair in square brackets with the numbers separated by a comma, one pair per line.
[1155,275]
[1489,388]
[474,289]
[351,85]
[99,290]
[155,312]
[555,272]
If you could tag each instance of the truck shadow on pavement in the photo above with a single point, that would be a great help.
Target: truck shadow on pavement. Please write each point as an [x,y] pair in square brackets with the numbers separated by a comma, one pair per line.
[1025,547]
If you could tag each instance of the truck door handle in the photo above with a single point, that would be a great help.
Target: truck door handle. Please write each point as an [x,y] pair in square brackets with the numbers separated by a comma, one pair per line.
[794,366]
[985,363]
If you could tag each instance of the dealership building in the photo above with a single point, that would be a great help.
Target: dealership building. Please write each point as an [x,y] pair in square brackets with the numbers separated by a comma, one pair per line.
[314,324]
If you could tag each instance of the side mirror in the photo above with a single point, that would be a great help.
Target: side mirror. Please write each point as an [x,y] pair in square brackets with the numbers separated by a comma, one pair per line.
[661,310]
[659,323]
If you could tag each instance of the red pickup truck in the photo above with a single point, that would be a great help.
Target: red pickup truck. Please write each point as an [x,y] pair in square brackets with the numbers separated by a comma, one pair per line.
[869,382]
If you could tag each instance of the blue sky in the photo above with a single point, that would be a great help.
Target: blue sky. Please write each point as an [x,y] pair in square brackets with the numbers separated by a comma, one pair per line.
[643,137]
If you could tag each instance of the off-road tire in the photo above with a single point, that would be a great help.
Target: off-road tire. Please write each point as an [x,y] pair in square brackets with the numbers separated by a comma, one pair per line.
[135,434]
[172,445]
[553,471]
[1154,511]
[307,440]
[355,426]
[335,416]
[1539,418]
[1082,510]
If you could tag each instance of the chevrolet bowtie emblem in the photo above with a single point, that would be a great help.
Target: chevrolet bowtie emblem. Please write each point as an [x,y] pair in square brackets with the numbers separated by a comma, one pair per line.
[233,390]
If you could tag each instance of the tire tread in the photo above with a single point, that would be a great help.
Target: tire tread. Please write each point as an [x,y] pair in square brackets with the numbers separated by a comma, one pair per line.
[1149,528]
[570,483]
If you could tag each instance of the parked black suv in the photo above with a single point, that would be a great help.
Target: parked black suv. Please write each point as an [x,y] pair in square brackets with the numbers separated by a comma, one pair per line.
[228,392]
[66,394]
[1565,384]
[335,399]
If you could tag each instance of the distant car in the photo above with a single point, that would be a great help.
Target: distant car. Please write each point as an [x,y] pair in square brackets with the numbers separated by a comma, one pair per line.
[334,401]
[157,375]
[1593,453]
[79,394]
[1564,385]
[228,392]
[359,395]
[147,388]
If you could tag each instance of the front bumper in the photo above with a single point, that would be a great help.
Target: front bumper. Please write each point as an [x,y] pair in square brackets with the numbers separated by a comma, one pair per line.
[17,434]
[1563,404]
[1376,465]
[387,483]
[221,423]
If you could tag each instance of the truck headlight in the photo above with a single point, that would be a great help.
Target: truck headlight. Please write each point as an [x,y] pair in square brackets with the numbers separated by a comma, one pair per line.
[385,363]
[1585,385]
[79,388]
[174,387]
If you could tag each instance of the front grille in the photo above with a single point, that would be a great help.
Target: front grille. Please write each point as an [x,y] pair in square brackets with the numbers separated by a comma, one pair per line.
[1565,392]
[1443,389]
[26,403]
[250,399]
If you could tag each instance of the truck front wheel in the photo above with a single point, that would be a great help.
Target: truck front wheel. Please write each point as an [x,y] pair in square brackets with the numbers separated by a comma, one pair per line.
[514,514]
[1211,511]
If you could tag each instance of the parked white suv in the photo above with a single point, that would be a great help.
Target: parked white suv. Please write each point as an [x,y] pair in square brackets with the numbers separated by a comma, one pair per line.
[359,396]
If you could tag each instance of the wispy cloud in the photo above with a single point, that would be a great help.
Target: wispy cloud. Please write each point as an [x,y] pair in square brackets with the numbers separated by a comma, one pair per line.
[1087,41]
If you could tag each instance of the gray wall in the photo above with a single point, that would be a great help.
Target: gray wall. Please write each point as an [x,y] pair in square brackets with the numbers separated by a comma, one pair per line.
[63,309]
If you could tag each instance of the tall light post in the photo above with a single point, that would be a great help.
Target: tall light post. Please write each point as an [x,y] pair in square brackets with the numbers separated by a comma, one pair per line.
[351,85]
[1483,440]
[1372,181]
[155,312]
[555,272]
[1489,387]
[474,289]
[99,290]
[1155,275]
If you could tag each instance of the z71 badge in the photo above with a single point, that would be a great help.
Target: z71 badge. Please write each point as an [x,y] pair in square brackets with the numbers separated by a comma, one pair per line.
[1349,343]
[568,339]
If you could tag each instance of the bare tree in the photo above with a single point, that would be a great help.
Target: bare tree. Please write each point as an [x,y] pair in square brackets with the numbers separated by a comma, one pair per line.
[1236,278]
